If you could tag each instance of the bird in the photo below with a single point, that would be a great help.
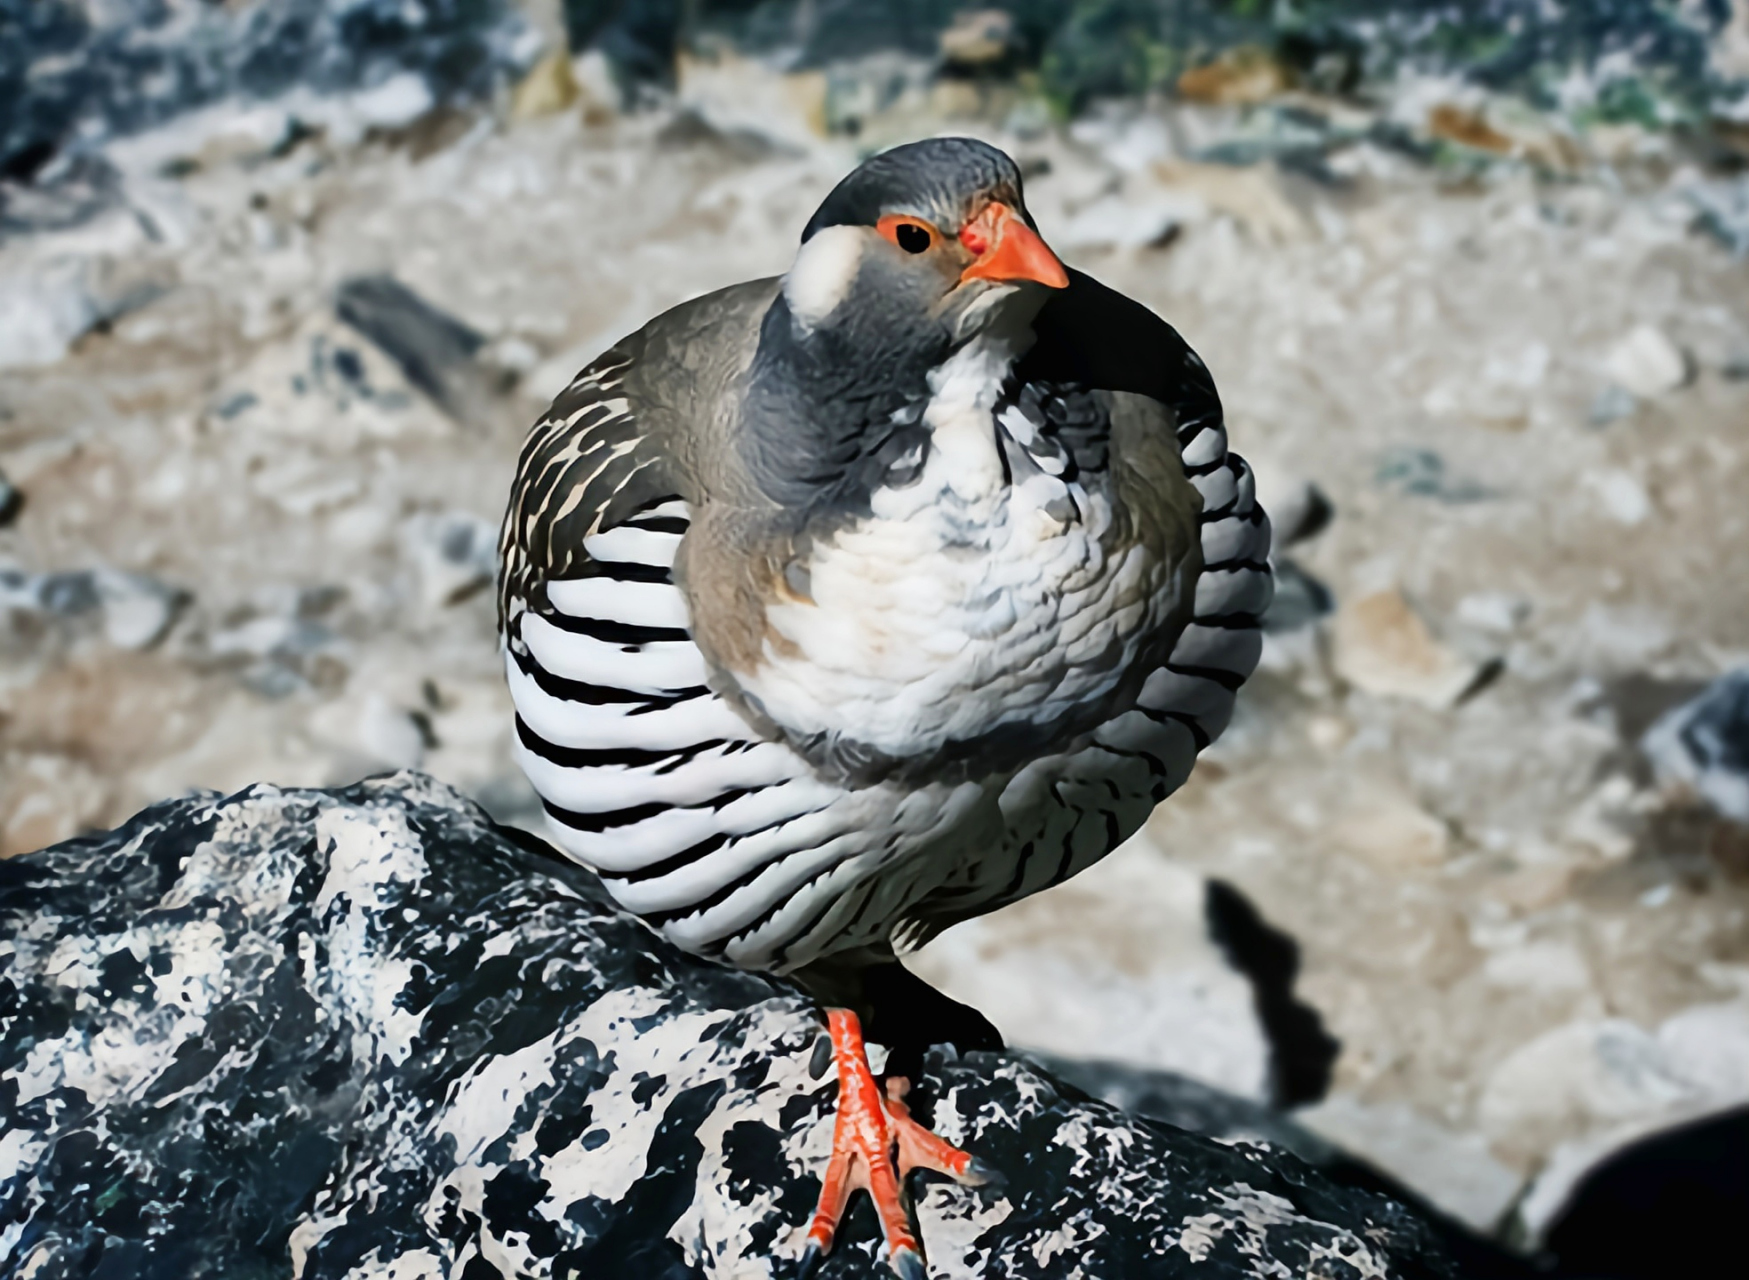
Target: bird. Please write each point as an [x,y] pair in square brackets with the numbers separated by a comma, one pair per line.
[842,606]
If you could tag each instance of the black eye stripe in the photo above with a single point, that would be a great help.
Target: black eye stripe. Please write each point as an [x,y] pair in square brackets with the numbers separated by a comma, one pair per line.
[911,237]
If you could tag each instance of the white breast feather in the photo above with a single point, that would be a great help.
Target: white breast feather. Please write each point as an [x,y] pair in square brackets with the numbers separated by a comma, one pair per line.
[961,604]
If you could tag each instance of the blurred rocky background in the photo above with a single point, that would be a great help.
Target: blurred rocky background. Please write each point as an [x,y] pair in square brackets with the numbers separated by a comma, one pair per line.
[282,282]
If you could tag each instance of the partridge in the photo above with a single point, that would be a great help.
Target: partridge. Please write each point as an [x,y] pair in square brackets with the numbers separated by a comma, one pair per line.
[843,606]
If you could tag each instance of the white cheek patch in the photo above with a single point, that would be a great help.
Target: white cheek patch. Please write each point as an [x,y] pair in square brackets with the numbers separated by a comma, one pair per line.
[823,272]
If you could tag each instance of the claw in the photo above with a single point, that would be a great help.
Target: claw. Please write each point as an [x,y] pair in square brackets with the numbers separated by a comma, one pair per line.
[822,1058]
[980,1173]
[908,1265]
[810,1262]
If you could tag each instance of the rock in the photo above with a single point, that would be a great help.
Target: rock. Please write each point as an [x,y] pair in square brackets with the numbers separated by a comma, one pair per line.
[455,554]
[1389,829]
[138,611]
[1493,611]
[1251,196]
[1122,222]
[1668,1205]
[1383,647]
[1703,745]
[1721,208]
[1299,600]
[1298,509]
[434,350]
[125,65]
[548,88]
[11,501]
[327,1033]
[1422,473]
[1600,1084]
[1466,128]
[1646,363]
[1623,498]
[1611,404]
[49,302]
[320,382]
[979,40]
[1240,76]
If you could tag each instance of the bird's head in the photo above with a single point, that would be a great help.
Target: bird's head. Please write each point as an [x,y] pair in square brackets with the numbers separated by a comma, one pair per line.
[931,237]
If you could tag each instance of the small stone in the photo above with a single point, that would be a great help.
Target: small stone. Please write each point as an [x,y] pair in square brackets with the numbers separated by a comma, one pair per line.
[138,611]
[1383,647]
[390,734]
[1703,745]
[437,352]
[1329,733]
[978,39]
[1539,966]
[1611,404]
[1467,129]
[67,594]
[1239,77]
[1493,611]
[1117,222]
[1623,498]
[1422,473]
[548,88]
[11,500]
[1646,363]
[455,554]
[1298,509]
[1299,600]
[1534,888]
[1391,831]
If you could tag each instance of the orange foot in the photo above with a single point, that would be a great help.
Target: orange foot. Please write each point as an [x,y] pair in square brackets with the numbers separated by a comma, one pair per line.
[875,1145]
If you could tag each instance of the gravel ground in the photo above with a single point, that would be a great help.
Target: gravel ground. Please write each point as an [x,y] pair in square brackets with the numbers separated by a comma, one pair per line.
[253,546]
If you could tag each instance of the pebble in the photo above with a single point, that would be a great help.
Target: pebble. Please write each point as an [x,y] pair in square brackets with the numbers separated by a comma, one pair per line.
[1646,363]
[1703,745]
[1383,647]
[1298,509]
[1611,404]
[1120,222]
[1391,831]
[1493,611]
[135,609]
[455,554]
[11,500]
[138,611]
[548,88]
[978,38]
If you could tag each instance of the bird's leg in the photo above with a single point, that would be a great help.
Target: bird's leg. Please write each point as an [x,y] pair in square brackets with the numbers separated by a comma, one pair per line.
[875,1145]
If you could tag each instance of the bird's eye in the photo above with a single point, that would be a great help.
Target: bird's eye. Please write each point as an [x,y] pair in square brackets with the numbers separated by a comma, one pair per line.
[910,237]
[911,234]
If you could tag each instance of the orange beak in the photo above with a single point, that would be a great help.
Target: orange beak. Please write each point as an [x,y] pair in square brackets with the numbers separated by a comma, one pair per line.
[1008,249]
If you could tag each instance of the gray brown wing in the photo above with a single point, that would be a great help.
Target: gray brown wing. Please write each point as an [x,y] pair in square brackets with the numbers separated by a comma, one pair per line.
[588,463]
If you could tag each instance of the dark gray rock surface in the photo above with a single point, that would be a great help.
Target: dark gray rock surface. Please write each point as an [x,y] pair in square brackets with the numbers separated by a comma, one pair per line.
[368,1033]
